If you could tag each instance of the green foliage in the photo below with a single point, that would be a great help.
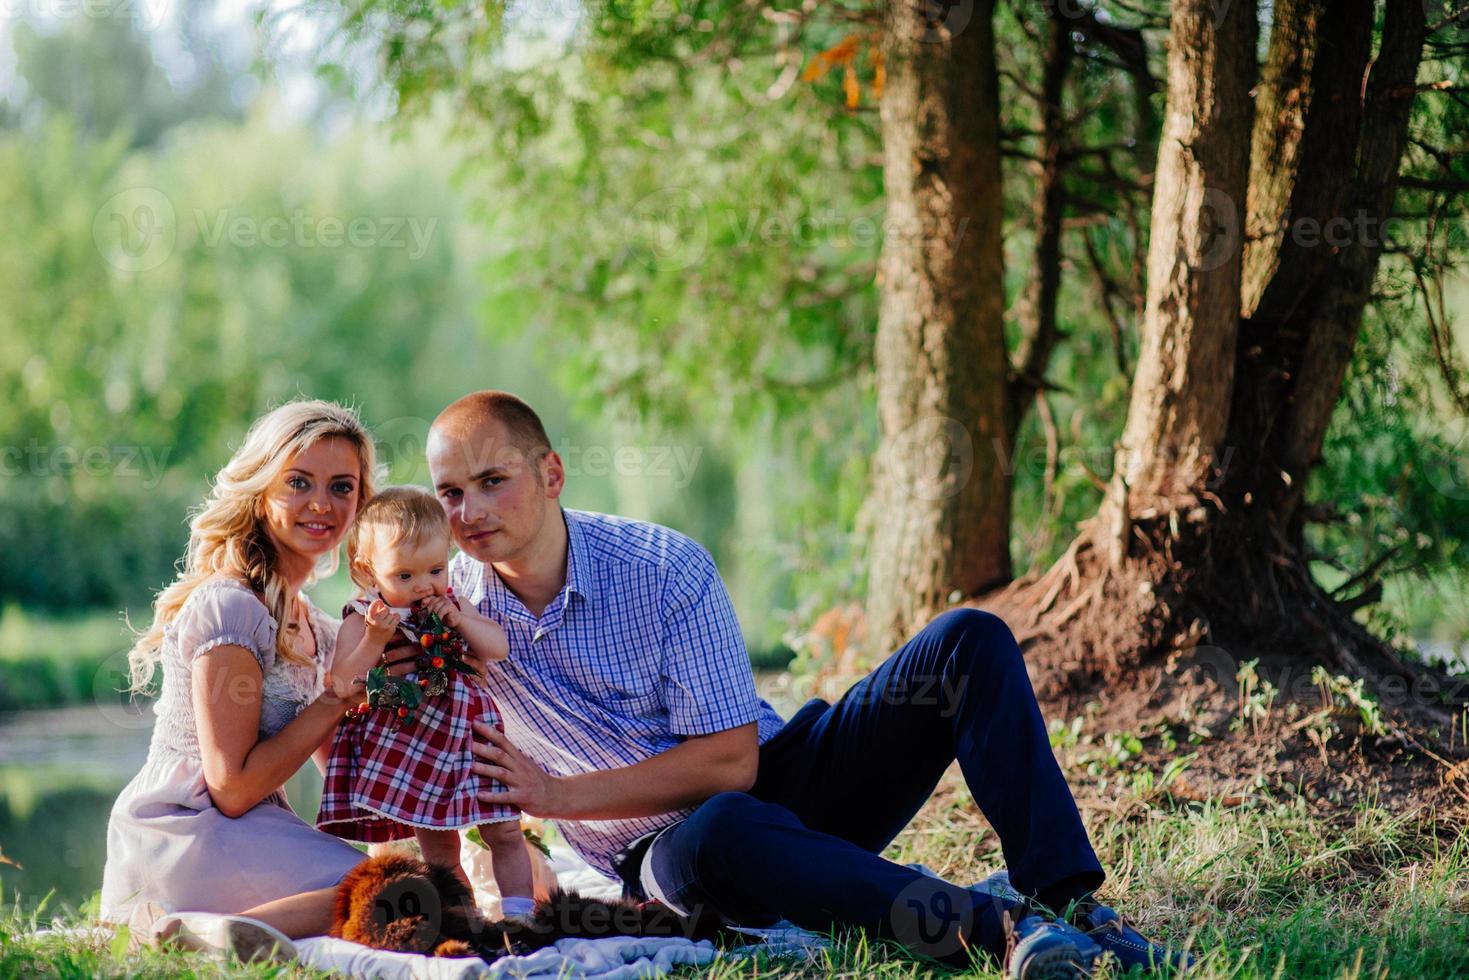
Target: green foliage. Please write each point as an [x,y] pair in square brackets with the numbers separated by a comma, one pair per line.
[660,220]
[46,661]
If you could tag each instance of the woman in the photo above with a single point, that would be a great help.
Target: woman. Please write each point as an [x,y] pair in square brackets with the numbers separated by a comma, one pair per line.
[247,696]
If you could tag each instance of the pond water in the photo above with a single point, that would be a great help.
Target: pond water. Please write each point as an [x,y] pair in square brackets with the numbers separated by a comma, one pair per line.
[60,771]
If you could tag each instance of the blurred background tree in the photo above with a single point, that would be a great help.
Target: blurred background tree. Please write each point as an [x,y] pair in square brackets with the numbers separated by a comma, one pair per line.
[660,220]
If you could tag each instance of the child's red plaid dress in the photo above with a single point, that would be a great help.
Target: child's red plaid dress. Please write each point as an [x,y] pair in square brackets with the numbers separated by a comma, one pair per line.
[381,783]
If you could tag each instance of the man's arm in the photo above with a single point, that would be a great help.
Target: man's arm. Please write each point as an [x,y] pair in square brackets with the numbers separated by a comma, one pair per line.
[685,775]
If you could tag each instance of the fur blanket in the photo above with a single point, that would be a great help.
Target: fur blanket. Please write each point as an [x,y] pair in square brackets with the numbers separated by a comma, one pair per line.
[397,902]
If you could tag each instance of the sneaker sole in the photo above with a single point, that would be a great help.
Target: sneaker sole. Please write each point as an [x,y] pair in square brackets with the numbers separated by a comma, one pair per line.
[1057,964]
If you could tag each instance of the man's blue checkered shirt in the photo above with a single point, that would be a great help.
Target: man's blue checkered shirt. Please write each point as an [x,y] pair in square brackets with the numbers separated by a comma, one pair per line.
[639,649]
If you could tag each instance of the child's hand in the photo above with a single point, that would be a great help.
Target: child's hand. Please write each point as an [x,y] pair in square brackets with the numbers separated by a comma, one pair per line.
[443,607]
[381,621]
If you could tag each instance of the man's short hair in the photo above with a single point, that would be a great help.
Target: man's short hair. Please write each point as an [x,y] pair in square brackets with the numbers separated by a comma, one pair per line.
[521,422]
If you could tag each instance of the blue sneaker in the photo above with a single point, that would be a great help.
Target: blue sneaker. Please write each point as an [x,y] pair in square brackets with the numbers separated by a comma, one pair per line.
[1044,949]
[1106,928]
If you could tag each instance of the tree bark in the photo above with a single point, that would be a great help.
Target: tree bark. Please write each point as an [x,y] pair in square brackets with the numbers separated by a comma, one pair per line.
[1181,393]
[1037,313]
[1312,81]
[941,509]
[1337,316]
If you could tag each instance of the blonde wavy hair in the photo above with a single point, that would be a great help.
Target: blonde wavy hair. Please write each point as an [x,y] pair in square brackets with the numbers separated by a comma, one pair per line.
[227,534]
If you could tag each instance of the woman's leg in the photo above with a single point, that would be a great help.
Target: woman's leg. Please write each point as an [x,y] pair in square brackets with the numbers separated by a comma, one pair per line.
[298,916]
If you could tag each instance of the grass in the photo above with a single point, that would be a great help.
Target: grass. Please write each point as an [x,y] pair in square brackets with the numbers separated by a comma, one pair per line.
[1265,890]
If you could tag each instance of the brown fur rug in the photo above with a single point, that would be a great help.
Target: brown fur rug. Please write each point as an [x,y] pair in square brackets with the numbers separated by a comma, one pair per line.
[399,903]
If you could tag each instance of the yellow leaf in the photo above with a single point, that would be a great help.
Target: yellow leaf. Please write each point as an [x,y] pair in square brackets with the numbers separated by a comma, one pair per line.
[879,72]
[849,85]
[840,53]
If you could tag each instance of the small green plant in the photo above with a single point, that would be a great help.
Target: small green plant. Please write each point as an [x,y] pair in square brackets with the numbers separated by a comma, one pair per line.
[1344,691]
[1256,697]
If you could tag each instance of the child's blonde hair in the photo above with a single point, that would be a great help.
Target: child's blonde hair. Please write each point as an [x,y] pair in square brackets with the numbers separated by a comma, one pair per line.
[407,514]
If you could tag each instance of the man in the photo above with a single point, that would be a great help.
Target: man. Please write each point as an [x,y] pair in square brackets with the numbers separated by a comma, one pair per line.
[631,719]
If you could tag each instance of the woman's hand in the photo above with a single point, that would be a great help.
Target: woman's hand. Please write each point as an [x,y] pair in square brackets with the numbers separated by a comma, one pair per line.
[527,785]
[345,688]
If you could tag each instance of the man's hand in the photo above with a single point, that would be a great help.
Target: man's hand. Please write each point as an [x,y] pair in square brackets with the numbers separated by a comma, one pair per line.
[685,775]
[527,785]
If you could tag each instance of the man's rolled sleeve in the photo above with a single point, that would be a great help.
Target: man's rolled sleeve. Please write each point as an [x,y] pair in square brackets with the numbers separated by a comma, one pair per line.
[707,682]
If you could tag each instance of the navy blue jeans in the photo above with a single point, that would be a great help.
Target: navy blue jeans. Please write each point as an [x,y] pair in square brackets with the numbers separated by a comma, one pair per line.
[840,781]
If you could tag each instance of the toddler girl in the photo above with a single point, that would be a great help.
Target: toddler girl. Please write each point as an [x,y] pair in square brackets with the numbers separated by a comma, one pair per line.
[400,762]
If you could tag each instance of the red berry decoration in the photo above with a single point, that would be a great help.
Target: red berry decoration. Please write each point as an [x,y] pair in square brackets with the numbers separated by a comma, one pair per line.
[427,640]
[423,682]
[402,712]
[437,661]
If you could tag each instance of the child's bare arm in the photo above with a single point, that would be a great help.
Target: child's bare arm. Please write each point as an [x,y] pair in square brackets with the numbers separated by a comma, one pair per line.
[360,644]
[485,637]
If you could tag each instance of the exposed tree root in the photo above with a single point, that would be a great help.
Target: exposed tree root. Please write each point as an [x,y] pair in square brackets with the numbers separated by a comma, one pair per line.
[1165,633]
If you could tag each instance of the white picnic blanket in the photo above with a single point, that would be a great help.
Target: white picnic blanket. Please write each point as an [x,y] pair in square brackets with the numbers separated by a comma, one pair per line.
[612,958]
[604,959]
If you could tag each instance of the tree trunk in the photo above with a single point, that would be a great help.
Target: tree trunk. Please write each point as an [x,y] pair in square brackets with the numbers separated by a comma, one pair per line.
[1337,314]
[1199,537]
[1037,313]
[1184,381]
[941,510]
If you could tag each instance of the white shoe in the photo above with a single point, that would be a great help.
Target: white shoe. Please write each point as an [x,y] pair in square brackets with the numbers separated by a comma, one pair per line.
[225,936]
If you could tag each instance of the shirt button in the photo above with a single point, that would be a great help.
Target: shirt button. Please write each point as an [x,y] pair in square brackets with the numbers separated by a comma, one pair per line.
[538,635]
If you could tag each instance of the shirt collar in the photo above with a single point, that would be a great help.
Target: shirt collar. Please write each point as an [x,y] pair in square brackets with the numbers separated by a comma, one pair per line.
[579,580]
